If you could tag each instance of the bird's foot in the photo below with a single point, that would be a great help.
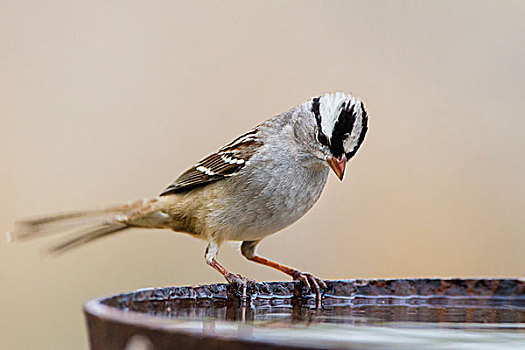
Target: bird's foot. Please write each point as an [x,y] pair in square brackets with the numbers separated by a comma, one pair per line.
[311,282]
[240,285]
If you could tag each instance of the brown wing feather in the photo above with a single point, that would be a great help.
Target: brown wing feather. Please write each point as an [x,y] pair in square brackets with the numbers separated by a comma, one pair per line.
[226,162]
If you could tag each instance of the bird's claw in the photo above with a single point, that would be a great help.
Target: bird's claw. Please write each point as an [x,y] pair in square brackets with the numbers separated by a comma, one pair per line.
[240,285]
[311,282]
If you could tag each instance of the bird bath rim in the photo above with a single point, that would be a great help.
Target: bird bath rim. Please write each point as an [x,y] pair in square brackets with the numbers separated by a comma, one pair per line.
[114,320]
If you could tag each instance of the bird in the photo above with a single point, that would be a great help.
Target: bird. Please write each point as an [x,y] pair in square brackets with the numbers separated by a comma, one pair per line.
[254,186]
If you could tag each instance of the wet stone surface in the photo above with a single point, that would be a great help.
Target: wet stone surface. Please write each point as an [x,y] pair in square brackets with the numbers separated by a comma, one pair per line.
[353,314]
[343,302]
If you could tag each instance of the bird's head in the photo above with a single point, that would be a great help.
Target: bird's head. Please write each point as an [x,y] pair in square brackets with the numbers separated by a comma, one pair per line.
[341,125]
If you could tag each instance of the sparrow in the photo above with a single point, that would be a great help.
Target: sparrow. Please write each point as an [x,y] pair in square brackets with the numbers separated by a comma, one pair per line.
[256,185]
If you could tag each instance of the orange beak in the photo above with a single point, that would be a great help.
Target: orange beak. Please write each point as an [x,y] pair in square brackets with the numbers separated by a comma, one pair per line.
[338,165]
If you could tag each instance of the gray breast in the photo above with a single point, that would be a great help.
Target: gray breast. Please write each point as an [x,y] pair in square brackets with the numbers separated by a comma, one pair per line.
[273,191]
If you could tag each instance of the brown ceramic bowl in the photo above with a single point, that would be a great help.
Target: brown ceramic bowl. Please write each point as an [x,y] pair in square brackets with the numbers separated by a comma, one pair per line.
[355,314]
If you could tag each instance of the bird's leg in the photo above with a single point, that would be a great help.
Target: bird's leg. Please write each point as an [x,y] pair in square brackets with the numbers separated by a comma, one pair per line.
[311,282]
[236,281]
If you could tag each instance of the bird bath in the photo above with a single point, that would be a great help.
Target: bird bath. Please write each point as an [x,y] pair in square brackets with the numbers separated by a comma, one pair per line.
[355,314]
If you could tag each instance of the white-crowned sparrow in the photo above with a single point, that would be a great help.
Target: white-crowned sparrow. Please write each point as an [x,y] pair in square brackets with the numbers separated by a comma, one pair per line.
[256,185]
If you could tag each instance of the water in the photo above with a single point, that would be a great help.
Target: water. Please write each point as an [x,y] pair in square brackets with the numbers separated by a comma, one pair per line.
[358,322]
[473,320]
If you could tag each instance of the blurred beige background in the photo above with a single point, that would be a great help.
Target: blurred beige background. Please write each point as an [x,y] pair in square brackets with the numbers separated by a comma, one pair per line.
[102,102]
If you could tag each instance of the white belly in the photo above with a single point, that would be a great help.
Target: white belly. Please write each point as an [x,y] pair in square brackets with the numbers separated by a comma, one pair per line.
[261,208]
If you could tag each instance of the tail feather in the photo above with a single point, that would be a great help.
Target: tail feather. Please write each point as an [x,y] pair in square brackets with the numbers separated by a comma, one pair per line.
[34,228]
[87,236]
[85,226]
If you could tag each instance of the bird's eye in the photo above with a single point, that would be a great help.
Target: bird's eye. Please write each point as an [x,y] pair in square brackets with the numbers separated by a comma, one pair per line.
[322,139]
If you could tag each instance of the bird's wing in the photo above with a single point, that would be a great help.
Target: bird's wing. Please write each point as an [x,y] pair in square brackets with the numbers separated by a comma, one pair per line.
[226,162]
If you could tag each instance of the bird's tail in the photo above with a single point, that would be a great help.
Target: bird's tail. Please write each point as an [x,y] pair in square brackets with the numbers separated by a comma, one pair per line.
[85,226]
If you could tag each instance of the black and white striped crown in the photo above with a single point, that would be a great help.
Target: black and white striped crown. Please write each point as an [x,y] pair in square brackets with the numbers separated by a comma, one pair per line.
[342,122]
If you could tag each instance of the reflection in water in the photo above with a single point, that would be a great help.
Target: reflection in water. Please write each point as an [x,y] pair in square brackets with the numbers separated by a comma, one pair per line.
[359,322]
[356,310]
[374,314]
